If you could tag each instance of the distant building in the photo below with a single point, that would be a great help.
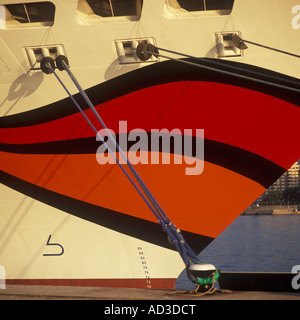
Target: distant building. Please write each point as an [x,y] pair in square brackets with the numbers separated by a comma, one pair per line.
[289,179]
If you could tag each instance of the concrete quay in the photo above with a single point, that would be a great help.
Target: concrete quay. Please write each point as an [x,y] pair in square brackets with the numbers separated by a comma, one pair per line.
[19,292]
[271,210]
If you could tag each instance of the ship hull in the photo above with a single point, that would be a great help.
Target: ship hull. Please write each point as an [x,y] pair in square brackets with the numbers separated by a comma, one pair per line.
[66,219]
[73,221]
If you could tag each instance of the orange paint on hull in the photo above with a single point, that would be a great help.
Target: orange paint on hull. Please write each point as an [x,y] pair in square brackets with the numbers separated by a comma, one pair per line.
[203,204]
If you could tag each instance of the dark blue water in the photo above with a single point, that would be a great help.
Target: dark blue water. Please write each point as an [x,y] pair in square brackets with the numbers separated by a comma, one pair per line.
[254,243]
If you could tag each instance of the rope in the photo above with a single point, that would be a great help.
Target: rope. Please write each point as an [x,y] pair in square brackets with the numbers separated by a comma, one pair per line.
[215,66]
[159,210]
[236,68]
[211,290]
[270,48]
[174,234]
[106,145]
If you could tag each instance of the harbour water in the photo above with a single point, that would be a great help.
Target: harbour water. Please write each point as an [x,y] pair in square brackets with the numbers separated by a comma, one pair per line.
[254,243]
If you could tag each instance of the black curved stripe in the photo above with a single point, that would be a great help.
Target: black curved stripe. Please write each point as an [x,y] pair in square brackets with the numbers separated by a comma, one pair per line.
[248,164]
[159,73]
[131,226]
